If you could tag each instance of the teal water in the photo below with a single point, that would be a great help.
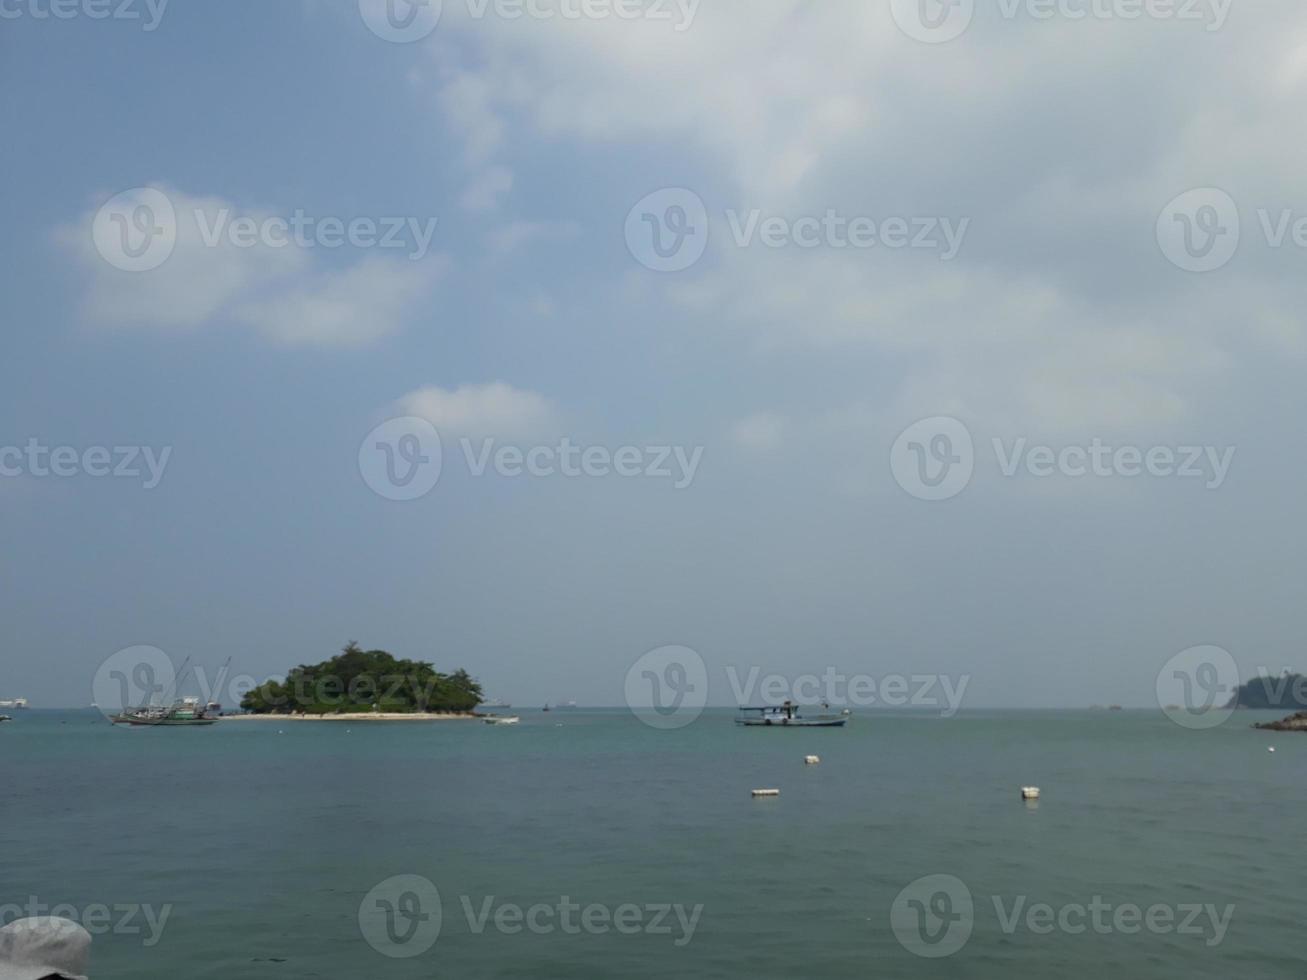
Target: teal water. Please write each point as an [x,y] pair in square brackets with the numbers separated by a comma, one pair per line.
[264,844]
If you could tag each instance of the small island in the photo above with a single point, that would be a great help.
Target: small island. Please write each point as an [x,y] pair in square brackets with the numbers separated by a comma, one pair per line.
[1294,723]
[1265,693]
[365,685]
[1288,691]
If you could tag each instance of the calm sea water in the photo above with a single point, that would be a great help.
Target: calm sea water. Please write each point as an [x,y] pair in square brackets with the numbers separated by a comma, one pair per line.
[264,838]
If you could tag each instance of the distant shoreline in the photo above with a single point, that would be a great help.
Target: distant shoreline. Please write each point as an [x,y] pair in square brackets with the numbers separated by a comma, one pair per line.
[361,716]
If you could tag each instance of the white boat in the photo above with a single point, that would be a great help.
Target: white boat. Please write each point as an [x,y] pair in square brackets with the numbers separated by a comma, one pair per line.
[789,715]
[19,703]
[503,720]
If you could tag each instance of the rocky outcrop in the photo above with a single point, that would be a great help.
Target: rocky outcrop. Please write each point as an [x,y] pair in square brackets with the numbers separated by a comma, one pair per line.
[1294,723]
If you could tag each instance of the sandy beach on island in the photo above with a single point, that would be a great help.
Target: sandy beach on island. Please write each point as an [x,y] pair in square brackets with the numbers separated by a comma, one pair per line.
[363,716]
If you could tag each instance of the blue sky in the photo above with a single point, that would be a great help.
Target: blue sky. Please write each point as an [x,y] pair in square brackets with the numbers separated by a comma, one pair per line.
[794,369]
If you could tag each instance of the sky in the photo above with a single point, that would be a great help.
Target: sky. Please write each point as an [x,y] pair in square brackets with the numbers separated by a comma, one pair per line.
[957,340]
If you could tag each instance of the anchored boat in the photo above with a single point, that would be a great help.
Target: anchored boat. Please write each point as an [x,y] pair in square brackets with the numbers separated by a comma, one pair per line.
[790,715]
[187,711]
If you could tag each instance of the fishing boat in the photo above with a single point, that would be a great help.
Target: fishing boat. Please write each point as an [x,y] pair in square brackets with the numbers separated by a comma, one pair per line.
[187,711]
[503,720]
[5,718]
[790,715]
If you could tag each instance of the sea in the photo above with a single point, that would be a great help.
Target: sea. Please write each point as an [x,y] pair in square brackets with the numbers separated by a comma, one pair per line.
[585,844]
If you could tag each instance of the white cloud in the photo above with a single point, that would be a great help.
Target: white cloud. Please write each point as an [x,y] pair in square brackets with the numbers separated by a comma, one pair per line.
[518,233]
[487,188]
[763,432]
[495,410]
[797,107]
[194,284]
[285,290]
[348,309]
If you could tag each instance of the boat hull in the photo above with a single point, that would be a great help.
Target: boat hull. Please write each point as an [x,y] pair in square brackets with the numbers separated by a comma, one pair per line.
[793,723]
[163,722]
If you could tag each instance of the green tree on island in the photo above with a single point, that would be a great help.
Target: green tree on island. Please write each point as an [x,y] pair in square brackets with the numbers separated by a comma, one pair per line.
[1288,691]
[358,680]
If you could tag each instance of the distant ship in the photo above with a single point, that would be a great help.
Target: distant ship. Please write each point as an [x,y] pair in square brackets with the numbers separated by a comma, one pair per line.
[19,703]
[495,703]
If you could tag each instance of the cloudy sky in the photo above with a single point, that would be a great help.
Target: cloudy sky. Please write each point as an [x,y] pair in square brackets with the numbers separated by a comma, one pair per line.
[894,338]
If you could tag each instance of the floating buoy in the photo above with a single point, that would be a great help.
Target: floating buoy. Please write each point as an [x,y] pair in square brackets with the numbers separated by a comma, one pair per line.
[812,760]
[1271,749]
[1030,792]
[766,792]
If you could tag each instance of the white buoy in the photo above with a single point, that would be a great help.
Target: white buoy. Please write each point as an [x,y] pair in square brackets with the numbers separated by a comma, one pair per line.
[812,760]
[1271,749]
[766,792]
[1030,792]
